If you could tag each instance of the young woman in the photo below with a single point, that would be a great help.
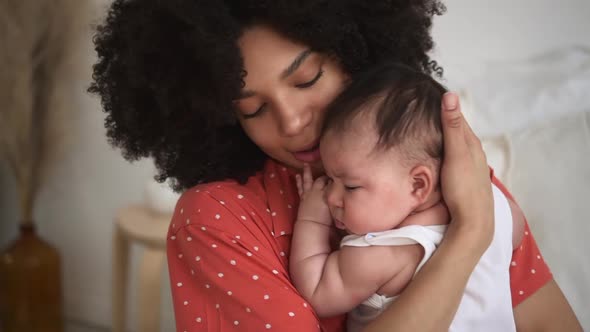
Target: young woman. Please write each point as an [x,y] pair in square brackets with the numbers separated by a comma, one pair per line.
[228,98]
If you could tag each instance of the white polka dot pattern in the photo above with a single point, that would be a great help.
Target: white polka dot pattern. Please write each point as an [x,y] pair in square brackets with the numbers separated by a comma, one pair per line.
[232,273]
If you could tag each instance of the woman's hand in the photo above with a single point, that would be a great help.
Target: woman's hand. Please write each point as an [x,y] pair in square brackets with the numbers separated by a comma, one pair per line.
[465,177]
[312,205]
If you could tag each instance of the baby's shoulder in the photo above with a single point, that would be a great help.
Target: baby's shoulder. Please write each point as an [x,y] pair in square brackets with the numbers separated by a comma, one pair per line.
[377,256]
[380,265]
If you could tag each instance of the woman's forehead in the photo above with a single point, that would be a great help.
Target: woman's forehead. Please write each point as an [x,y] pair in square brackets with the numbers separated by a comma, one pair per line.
[262,47]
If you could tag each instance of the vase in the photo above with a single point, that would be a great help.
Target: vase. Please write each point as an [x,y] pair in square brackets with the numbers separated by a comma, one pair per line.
[30,285]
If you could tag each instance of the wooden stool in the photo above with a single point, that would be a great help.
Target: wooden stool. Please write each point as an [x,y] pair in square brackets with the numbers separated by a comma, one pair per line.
[139,225]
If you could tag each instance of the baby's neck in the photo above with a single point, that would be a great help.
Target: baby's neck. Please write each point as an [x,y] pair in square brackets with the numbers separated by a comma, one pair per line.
[432,212]
[433,199]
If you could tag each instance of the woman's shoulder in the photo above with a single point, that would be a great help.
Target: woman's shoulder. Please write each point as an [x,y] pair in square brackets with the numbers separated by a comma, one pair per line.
[227,193]
[255,188]
[267,194]
[219,206]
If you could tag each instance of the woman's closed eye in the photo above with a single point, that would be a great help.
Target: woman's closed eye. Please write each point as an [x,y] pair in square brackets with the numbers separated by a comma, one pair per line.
[303,85]
[351,188]
[256,113]
[313,81]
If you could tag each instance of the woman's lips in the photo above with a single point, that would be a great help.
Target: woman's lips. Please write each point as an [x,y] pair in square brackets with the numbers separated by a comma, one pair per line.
[308,156]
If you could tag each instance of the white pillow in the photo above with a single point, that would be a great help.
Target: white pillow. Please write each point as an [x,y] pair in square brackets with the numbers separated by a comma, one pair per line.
[507,97]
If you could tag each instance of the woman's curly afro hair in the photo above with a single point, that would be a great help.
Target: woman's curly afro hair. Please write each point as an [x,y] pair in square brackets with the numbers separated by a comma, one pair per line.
[168,71]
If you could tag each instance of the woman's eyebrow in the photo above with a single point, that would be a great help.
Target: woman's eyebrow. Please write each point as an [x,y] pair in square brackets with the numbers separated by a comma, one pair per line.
[295,64]
[284,74]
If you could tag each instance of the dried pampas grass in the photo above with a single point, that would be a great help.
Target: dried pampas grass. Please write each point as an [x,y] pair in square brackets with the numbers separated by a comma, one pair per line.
[37,39]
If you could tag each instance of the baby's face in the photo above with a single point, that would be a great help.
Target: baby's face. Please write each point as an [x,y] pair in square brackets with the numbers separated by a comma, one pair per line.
[368,191]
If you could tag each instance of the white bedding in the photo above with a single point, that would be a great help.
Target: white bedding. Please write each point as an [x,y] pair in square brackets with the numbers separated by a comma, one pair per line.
[533,117]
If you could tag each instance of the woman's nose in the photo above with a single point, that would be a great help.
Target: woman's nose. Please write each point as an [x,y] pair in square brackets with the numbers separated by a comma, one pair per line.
[293,116]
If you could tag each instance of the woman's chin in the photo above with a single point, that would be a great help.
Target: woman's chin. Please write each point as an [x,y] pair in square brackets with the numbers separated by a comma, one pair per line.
[317,169]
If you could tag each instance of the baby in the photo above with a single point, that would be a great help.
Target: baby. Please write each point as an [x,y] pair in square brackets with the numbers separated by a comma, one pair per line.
[382,149]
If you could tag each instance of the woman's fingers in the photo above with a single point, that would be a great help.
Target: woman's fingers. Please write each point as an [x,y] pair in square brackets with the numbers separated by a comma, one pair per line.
[453,125]
[459,137]
[465,179]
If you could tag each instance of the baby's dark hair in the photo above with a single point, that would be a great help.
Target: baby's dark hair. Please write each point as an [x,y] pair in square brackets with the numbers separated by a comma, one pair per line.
[168,71]
[403,104]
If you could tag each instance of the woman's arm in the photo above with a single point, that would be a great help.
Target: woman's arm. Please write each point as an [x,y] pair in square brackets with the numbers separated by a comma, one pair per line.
[546,310]
[430,301]
[539,304]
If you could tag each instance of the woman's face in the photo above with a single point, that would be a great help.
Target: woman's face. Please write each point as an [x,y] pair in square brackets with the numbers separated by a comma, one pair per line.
[287,88]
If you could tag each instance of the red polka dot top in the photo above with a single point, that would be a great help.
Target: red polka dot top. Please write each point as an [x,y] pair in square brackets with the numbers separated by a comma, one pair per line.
[228,249]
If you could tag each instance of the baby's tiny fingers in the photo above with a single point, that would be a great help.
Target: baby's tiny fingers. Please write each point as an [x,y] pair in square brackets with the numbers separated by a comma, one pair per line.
[307,178]
[320,183]
[299,184]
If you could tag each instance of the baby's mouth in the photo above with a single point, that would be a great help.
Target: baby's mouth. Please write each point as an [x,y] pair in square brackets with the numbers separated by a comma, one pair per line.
[339,224]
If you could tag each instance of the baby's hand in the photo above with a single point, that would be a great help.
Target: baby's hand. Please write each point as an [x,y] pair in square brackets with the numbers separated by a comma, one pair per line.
[312,206]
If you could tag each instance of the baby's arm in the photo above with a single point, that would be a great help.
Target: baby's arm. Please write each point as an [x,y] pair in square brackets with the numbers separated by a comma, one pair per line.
[350,275]
[336,282]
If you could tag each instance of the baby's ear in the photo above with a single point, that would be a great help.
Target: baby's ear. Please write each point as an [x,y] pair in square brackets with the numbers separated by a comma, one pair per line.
[423,183]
